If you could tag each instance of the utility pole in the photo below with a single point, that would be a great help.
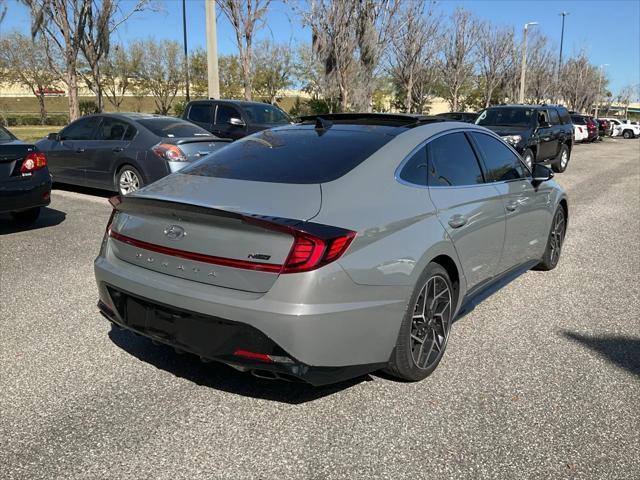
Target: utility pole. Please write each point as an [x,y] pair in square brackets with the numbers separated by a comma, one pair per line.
[601,73]
[524,60]
[563,14]
[186,50]
[212,49]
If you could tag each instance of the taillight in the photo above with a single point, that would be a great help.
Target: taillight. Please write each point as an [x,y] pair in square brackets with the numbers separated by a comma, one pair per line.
[313,246]
[169,152]
[114,201]
[33,161]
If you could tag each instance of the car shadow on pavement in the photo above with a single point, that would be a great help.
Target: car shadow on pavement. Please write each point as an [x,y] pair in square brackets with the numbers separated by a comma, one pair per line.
[621,351]
[222,377]
[96,192]
[49,217]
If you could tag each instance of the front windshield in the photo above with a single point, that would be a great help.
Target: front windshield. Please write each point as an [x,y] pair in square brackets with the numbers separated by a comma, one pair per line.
[265,114]
[507,117]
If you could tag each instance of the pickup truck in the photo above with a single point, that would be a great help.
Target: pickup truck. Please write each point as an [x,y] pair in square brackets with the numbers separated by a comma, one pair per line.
[539,133]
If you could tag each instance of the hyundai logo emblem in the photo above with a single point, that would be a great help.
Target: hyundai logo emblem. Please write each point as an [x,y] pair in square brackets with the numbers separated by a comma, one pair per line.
[174,232]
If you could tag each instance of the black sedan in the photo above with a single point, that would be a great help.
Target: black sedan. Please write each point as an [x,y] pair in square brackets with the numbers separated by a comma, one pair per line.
[124,151]
[25,183]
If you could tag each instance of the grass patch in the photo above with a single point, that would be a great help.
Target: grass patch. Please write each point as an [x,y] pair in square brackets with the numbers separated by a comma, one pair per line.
[32,132]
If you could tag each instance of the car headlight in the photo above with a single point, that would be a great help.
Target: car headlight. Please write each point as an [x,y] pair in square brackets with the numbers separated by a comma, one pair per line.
[512,139]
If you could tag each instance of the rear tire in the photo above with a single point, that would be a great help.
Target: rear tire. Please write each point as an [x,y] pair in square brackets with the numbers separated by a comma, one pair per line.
[26,217]
[627,134]
[562,160]
[128,180]
[555,241]
[425,327]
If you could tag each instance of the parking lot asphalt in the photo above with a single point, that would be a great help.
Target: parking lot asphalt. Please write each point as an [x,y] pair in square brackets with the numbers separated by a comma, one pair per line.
[542,380]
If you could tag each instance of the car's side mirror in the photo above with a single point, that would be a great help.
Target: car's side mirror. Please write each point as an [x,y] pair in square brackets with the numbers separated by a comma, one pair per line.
[237,122]
[55,136]
[541,173]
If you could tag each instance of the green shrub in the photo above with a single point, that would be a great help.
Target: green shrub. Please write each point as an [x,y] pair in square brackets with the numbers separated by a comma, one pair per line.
[28,119]
[87,107]
[179,107]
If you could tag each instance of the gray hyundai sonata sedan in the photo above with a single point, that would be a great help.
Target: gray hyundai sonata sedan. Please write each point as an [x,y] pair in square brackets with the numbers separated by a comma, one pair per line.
[331,248]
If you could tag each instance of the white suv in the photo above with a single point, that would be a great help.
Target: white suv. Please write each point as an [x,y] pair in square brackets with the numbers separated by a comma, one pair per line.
[624,128]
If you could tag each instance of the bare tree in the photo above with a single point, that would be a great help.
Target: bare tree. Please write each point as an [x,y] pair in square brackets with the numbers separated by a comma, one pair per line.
[375,21]
[273,69]
[579,83]
[25,63]
[161,72]
[119,71]
[626,96]
[334,44]
[493,58]
[3,9]
[414,47]
[103,19]
[246,17]
[541,65]
[457,63]
[62,25]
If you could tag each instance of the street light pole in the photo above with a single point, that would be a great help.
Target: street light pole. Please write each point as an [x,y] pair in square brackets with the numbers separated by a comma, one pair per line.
[186,52]
[524,61]
[563,14]
[213,80]
[599,87]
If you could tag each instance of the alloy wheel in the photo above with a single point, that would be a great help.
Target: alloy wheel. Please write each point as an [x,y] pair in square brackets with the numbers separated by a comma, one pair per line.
[129,182]
[564,159]
[557,236]
[431,322]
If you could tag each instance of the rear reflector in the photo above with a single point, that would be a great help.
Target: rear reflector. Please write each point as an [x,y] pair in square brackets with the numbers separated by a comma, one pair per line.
[262,357]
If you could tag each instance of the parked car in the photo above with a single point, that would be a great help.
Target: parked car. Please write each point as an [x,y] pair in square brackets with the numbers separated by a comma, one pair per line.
[604,128]
[630,129]
[580,133]
[25,183]
[234,119]
[616,129]
[540,133]
[589,123]
[270,256]
[468,117]
[124,151]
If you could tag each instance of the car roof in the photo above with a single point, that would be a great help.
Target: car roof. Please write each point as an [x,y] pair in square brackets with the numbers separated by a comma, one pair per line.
[535,107]
[392,120]
[234,102]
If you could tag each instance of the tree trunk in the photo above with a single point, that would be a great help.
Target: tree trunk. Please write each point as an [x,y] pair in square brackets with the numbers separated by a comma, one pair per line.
[409,93]
[246,71]
[454,100]
[43,111]
[72,84]
[98,88]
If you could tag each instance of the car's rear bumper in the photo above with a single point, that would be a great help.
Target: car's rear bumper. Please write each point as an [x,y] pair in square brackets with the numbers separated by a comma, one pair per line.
[22,193]
[332,329]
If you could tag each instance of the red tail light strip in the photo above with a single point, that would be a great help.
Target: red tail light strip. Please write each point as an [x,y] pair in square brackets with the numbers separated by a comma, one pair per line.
[197,257]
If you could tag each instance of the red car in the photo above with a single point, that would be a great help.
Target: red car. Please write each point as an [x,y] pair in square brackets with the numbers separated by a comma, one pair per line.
[589,122]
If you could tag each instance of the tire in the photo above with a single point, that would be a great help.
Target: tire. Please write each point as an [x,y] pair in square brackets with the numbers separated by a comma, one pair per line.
[627,134]
[128,179]
[562,160]
[429,322]
[553,250]
[528,158]
[26,217]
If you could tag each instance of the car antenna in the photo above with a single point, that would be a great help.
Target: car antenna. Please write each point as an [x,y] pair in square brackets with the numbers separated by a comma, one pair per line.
[323,124]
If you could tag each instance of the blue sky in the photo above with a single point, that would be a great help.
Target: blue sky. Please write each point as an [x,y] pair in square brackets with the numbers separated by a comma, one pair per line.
[609,31]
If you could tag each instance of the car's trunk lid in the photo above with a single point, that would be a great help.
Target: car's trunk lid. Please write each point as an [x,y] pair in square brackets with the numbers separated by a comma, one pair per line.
[197,147]
[202,229]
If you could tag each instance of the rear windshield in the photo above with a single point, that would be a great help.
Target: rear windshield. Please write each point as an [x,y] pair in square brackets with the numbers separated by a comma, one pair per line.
[265,114]
[507,117]
[173,128]
[291,155]
[577,119]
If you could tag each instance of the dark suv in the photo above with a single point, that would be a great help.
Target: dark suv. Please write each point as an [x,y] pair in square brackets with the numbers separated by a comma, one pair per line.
[540,133]
[234,119]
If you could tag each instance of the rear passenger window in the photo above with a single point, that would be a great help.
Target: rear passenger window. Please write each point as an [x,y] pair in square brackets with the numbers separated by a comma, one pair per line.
[502,164]
[201,112]
[226,113]
[415,170]
[452,162]
[554,119]
[564,115]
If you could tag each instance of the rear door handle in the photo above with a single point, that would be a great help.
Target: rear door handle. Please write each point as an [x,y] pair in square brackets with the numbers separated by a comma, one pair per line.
[512,206]
[118,149]
[79,150]
[457,221]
